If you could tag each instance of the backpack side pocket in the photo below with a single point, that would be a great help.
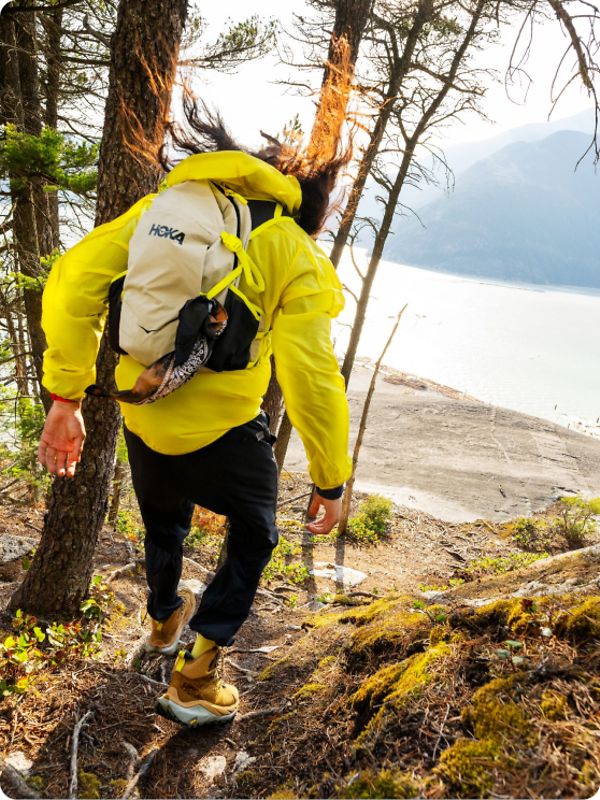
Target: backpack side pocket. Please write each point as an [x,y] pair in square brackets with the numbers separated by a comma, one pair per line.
[115,305]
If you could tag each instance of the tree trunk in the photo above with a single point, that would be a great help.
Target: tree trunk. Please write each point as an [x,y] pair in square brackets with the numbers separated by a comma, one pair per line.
[400,67]
[146,39]
[394,195]
[52,22]
[351,18]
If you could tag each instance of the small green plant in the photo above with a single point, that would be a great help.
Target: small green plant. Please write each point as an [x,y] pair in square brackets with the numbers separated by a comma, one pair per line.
[575,522]
[372,520]
[284,564]
[28,648]
[531,534]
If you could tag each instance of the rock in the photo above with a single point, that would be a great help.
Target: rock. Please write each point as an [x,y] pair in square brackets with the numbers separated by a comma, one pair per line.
[242,761]
[315,605]
[20,762]
[196,586]
[213,767]
[14,547]
[347,576]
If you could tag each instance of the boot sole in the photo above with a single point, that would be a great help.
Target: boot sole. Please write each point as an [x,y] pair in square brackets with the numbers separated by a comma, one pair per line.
[189,717]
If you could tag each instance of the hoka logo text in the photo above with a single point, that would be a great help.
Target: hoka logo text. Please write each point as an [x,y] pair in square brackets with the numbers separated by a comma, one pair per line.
[167,233]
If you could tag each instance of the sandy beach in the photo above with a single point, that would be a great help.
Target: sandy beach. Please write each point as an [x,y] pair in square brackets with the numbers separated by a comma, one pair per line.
[433,448]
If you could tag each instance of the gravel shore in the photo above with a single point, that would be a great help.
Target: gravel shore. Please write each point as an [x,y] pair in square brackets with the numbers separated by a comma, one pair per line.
[433,448]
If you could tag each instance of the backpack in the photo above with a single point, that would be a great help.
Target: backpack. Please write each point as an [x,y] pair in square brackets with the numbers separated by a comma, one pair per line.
[178,307]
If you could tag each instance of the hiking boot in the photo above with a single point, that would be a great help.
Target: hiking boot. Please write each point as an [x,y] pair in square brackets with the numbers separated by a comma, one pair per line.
[164,636]
[196,694]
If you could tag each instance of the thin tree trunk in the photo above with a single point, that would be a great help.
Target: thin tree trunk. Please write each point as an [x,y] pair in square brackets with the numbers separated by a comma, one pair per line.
[401,65]
[146,34]
[351,18]
[52,22]
[343,523]
[394,195]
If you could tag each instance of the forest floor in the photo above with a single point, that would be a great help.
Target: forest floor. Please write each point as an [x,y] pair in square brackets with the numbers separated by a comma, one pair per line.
[296,662]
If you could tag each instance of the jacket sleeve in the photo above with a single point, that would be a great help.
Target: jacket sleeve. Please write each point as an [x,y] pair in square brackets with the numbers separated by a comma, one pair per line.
[74,302]
[307,369]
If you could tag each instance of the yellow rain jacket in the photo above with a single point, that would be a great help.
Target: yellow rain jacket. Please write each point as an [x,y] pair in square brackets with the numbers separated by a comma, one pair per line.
[302,294]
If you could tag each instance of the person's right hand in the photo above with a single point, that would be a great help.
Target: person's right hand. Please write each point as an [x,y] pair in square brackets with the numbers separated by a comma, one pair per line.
[62,439]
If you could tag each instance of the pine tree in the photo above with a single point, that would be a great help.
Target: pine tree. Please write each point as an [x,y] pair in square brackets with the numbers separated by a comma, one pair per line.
[144,52]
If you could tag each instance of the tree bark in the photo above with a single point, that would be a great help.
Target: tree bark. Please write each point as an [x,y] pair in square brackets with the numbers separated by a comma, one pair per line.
[144,53]
[350,22]
[399,68]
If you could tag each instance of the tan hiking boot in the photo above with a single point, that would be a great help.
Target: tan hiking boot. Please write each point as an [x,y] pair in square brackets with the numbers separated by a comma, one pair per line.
[196,694]
[164,636]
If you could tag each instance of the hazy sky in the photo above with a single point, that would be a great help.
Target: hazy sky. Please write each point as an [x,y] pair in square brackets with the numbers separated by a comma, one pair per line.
[251,99]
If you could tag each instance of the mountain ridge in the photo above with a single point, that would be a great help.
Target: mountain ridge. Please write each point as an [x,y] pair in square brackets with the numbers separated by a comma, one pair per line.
[523,214]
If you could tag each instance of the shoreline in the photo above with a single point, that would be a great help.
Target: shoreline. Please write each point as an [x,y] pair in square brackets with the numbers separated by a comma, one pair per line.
[436,449]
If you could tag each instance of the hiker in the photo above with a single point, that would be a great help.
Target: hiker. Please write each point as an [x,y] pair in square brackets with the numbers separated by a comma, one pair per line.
[207,442]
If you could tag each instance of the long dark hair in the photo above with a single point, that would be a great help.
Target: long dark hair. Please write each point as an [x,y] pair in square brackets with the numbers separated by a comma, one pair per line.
[203,130]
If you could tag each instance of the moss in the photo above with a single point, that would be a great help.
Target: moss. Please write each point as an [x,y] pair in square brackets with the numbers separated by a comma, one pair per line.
[118,786]
[554,706]
[384,784]
[493,717]
[89,785]
[397,626]
[326,662]
[366,613]
[308,690]
[467,767]
[412,676]
[440,633]
[378,685]
[582,622]
[283,794]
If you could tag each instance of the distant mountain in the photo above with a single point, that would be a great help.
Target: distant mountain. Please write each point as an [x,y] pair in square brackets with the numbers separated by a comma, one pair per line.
[462,156]
[522,214]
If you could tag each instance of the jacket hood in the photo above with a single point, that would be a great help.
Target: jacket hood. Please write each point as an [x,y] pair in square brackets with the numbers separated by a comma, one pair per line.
[242,173]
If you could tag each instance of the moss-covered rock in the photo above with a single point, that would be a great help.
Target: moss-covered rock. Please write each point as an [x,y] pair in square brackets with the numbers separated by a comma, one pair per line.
[581,623]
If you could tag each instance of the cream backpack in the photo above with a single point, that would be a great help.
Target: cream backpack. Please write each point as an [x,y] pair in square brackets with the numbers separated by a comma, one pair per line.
[179,308]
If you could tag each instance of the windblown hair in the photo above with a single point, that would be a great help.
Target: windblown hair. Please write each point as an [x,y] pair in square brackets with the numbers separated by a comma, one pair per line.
[316,169]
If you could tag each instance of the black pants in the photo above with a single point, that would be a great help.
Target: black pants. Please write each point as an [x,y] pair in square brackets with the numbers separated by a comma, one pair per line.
[235,476]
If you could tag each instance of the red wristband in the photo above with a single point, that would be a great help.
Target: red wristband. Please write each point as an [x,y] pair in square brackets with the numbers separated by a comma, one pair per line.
[59,399]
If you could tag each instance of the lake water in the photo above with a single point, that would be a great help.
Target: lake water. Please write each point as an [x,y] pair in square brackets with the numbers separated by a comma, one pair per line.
[532,349]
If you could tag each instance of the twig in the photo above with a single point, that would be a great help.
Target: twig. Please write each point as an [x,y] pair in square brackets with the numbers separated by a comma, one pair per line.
[151,681]
[363,594]
[145,766]
[13,777]
[241,669]
[136,652]
[74,750]
[135,757]
[437,744]
[118,573]
[293,499]
[265,712]
[32,526]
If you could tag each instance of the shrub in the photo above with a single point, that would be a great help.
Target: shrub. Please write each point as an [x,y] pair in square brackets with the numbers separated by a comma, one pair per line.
[372,521]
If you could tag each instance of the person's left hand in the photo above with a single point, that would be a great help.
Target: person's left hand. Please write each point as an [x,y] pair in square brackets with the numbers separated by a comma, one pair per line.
[331,517]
